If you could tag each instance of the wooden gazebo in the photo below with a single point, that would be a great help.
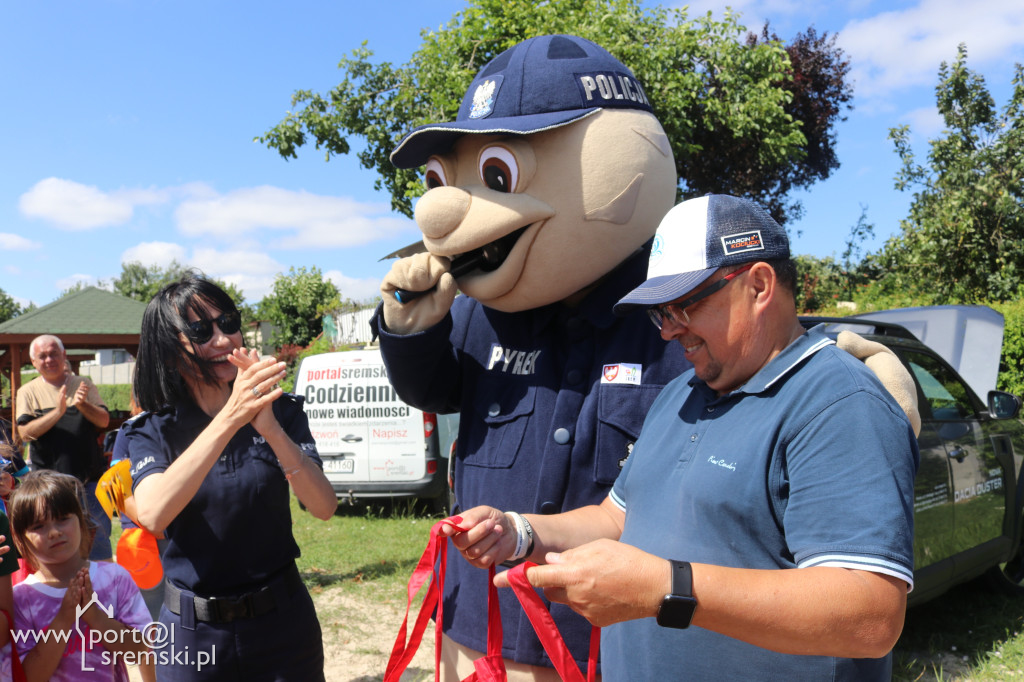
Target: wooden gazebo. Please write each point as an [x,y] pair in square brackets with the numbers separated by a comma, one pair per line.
[87,319]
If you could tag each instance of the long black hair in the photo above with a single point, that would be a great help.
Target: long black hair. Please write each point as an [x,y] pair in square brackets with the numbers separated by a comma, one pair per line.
[162,360]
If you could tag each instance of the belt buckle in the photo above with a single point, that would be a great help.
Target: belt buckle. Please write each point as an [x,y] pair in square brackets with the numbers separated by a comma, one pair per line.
[227,610]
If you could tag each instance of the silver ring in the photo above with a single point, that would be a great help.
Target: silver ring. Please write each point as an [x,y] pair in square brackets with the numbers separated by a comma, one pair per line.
[256,392]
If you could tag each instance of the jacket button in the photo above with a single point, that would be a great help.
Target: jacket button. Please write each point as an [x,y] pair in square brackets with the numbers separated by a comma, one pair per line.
[494,410]
[562,436]
[549,508]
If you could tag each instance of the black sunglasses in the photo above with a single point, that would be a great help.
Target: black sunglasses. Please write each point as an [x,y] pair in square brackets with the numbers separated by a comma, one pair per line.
[201,331]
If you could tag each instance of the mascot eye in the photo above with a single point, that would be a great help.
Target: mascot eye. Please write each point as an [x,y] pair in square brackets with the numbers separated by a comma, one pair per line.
[435,176]
[499,169]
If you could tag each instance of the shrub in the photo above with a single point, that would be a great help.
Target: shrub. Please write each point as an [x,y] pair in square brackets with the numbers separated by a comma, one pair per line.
[116,396]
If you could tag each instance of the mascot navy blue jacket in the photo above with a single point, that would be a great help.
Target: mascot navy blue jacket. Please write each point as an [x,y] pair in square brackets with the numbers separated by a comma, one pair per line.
[548,189]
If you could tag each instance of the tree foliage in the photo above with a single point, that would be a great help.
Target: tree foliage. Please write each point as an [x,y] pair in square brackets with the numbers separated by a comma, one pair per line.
[73,289]
[819,92]
[142,282]
[8,307]
[961,241]
[727,103]
[295,306]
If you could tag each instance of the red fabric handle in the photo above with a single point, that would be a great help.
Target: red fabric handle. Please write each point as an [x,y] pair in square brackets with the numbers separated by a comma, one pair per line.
[491,667]
[403,650]
[547,631]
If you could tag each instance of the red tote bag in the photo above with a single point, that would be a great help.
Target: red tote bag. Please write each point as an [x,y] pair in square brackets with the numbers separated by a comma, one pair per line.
[491,667]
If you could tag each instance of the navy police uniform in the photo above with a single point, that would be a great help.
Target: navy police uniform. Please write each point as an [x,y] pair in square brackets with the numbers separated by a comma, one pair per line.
[551,400]
[232,542]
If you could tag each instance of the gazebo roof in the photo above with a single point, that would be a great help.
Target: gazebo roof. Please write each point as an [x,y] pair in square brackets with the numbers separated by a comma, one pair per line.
[89,318]
[88,312]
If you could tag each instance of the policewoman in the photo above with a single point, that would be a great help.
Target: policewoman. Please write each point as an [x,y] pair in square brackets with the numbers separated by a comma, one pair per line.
[212,462]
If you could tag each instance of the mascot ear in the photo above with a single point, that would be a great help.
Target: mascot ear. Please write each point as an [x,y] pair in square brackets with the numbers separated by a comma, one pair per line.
[888,368]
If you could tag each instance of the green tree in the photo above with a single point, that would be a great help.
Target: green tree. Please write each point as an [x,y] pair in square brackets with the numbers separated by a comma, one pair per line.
[73,289]
[961,241]
[714,93]
[142,283]
[8,307]
[296,304]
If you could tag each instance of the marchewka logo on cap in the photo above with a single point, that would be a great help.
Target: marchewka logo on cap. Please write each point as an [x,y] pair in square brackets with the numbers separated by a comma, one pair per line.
[742,242]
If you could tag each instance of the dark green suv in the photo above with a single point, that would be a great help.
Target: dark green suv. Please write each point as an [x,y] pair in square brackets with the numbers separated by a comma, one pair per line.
[969,488]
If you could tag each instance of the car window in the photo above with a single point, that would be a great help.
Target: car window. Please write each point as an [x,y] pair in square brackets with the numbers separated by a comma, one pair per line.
[945,392]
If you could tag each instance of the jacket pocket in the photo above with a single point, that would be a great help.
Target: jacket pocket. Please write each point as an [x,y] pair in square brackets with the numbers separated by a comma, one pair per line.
[502,420]
[620,415]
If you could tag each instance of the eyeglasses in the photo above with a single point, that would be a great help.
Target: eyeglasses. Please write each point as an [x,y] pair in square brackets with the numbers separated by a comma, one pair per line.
[201,331]
[676,311]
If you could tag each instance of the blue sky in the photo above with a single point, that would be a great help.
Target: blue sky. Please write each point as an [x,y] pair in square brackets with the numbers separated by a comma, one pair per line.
[129,129]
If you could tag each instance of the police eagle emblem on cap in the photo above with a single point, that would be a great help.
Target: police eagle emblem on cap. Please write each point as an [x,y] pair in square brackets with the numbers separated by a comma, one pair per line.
[483,98]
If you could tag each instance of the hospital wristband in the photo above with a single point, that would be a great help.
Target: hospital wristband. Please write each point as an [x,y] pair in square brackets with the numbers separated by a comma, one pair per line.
[524,537]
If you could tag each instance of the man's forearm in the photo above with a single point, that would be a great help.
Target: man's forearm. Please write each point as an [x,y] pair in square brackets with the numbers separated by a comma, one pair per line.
[38,426]
[570,529]
[821,611]
[96,414]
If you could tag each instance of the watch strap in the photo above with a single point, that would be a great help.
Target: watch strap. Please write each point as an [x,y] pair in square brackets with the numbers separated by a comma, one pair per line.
[682,578]
[679,605]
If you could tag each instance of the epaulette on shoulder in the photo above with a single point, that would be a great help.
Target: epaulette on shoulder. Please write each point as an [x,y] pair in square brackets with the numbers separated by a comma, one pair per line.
[142,417]
[293,398]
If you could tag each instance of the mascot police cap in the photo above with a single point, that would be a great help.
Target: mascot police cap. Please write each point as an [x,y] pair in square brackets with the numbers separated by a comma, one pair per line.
[539,84]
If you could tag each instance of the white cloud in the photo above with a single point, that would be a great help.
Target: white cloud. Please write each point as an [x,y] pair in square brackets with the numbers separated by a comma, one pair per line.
[154,253]
[74,206]
[251,271]
[925,122]
[65,283]
[899,49]
[307,220]
[15,242]
[357,289]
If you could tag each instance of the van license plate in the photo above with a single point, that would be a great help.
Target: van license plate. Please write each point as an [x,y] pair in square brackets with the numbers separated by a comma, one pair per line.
[339,466]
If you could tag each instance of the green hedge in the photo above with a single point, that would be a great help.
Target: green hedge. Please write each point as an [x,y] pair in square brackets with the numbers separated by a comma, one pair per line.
[1011,364]
[116,396]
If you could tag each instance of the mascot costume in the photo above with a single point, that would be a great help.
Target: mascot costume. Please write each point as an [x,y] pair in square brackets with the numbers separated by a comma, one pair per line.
[543,197]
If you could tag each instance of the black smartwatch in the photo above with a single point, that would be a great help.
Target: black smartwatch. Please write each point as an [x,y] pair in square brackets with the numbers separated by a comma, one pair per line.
[677,607]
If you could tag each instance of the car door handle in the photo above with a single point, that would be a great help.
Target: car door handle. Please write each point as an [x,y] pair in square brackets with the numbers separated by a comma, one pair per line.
[958,453]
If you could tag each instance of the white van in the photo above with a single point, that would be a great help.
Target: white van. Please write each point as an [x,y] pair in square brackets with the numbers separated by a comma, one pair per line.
[372,444]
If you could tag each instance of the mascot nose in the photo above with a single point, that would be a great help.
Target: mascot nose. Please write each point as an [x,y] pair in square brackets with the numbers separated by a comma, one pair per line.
[441,210]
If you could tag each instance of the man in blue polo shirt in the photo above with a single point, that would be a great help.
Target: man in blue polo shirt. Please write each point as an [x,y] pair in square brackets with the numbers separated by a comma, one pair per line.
[776,452]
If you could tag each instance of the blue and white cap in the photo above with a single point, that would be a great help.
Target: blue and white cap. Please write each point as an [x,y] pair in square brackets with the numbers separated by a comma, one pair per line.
[541,83]
[699,236]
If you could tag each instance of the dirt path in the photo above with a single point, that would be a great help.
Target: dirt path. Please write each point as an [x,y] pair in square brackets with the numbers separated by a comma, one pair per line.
[359,634]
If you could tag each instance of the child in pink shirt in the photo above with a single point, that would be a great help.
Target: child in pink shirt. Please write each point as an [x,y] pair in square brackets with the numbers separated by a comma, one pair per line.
[52,533]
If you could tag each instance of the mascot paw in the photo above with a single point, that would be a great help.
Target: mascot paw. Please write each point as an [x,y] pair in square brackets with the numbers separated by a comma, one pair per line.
[422,272]
[888,368]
